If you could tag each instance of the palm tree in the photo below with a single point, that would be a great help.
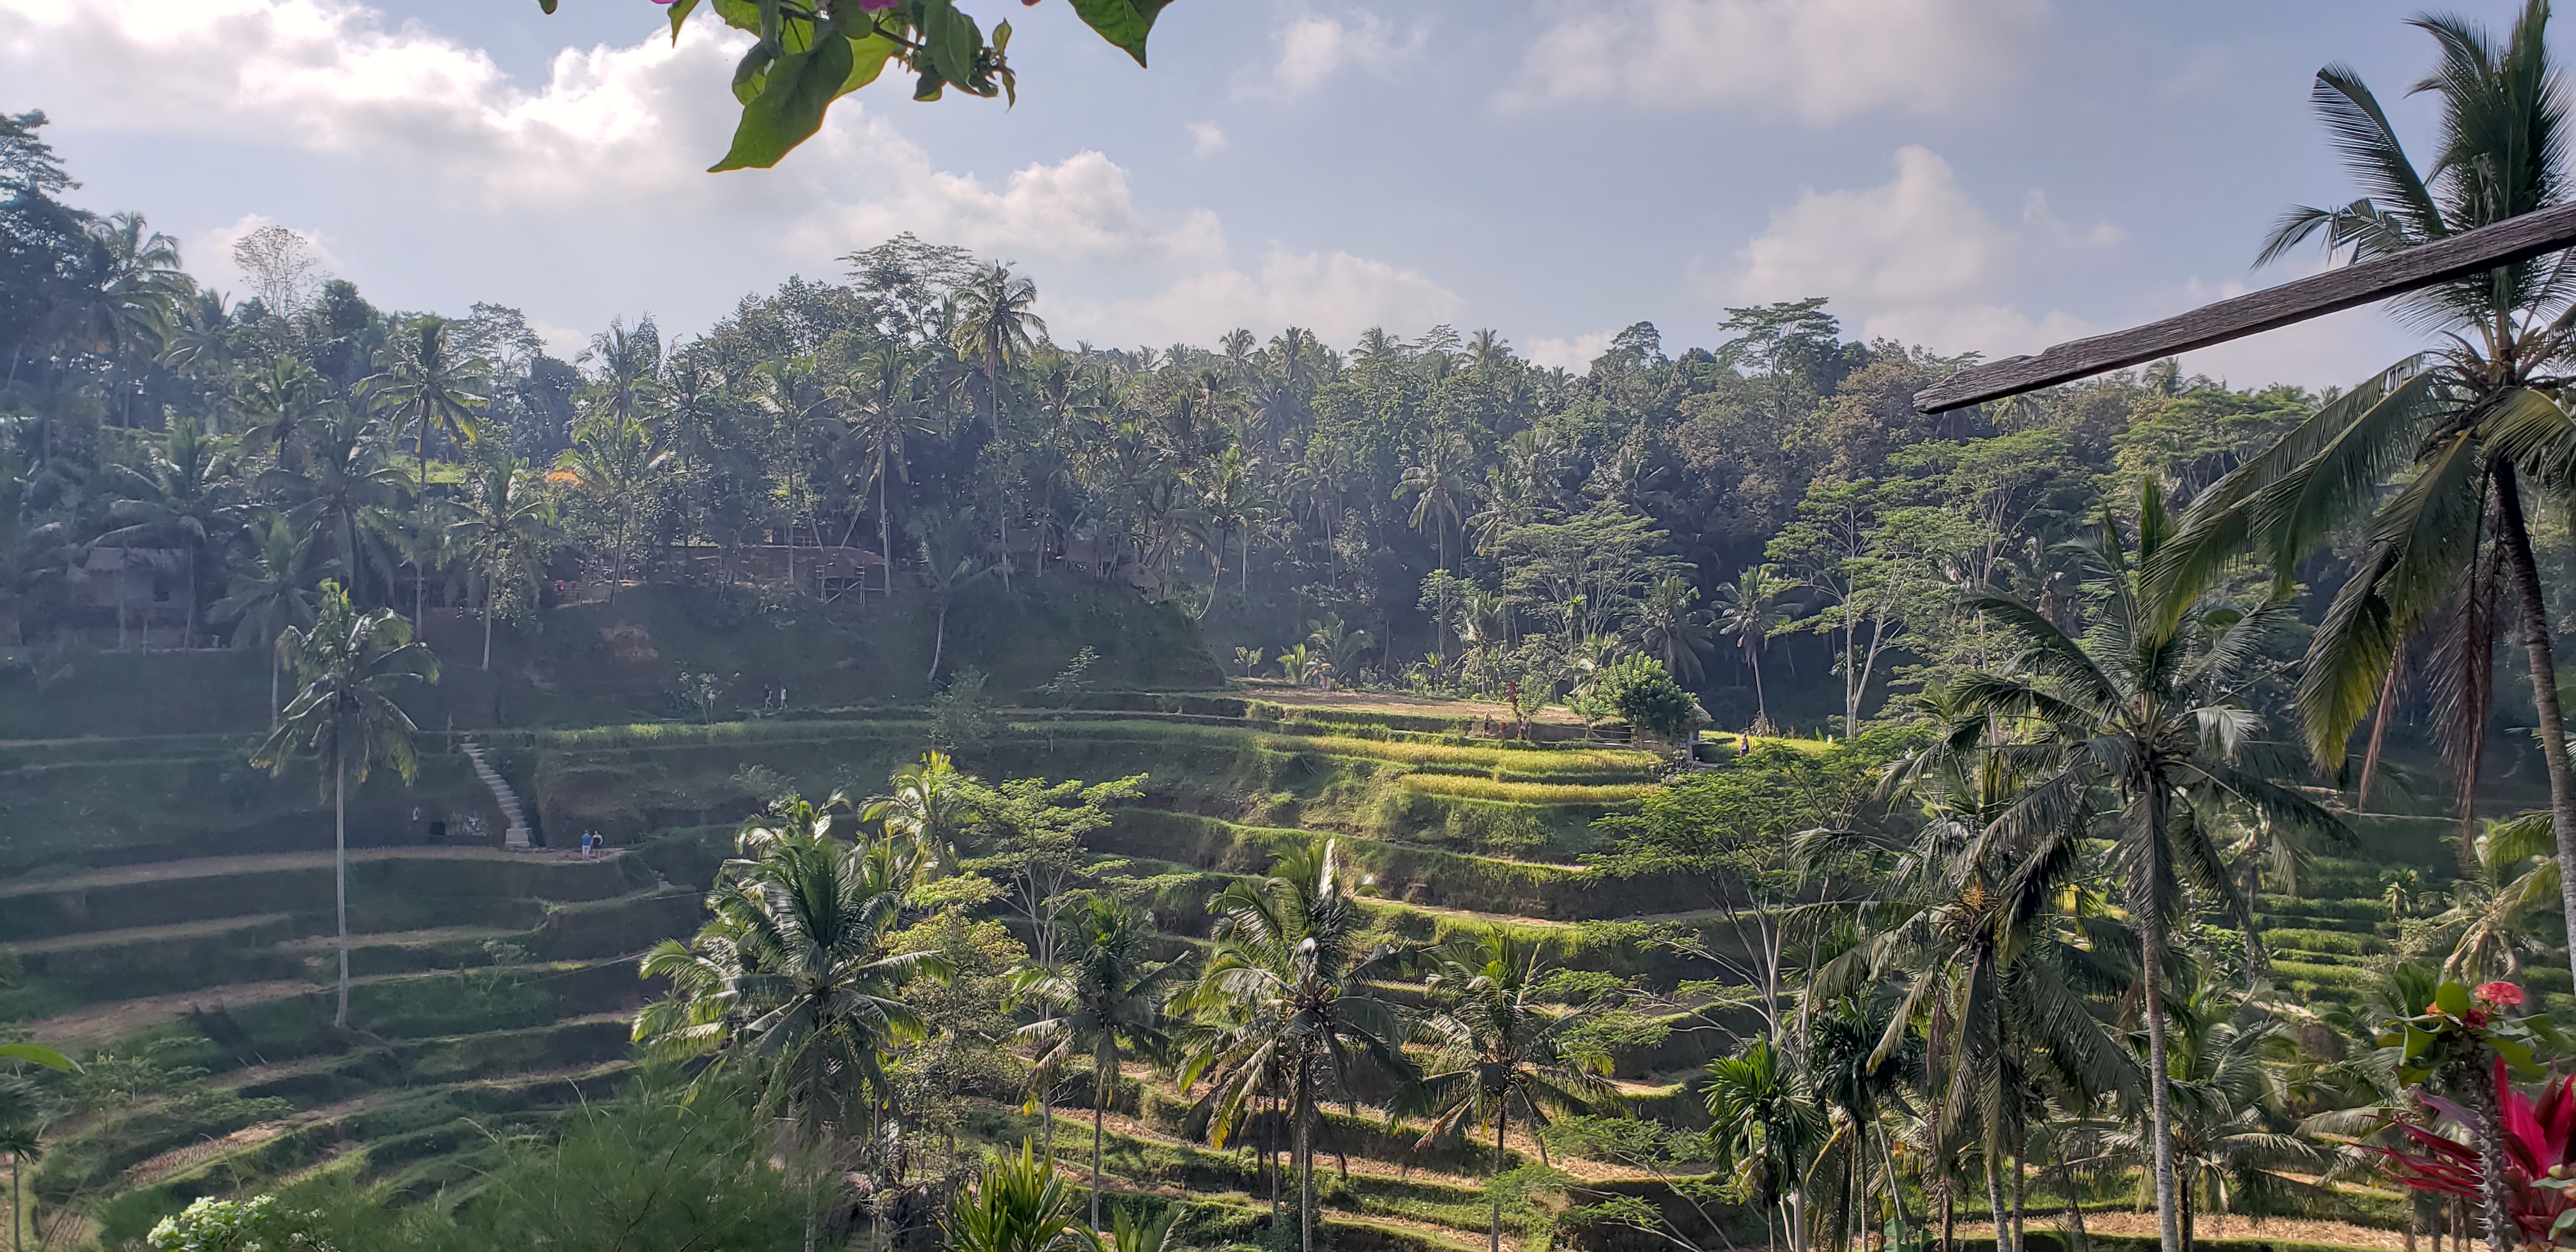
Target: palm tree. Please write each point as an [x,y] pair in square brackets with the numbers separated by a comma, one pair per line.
[1747,612]
[795,969]
[427,389]
[20,1133]
[1976,930]
[275,405]
[2461,427]
[613,462]
[2490,922]
[1109,998]
[274,593]
[995,328]
[949,566]
[1441,483]
[876,401]
[120,300]
[342,499]
[2145,706]
[1765,1129]
[1289,1003]
[181,496]
[1669,628]
[1498,1045]
[504,530]
[350,664]
[933,802]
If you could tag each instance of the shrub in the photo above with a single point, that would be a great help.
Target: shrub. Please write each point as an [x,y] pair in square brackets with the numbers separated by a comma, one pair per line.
[1650,699]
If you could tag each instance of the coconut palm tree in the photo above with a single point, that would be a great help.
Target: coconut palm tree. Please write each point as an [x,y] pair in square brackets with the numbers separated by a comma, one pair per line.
[271,594]
[504,530]
[2462,428]
[1670,629]
[1442,485]
[1106,1001]
[2143,707]
[933,802]
[343,497]
[795,971]
[430,390]
[996,327]
[2490,923]
[613,462]
[275,405]
[949,566]
[877,402]
[183,497]
[1289,1006]
[1497,1045]
[351,665]
[122,295]
[1747,611]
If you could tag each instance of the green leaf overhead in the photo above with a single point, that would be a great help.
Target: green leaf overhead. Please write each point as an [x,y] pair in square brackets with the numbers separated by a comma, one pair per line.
[789,108]
[1124,23]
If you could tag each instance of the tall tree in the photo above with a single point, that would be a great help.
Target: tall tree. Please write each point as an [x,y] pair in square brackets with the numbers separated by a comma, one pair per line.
[351,665]
[1498,1044]
[504,530]
[1107,1001]
[2459,430]
[2147,705]
[1747,611]
[1292,1009]
[996,328]
[430,390]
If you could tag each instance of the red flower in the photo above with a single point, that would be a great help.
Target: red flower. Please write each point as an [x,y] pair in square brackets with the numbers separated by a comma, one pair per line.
[2500,994]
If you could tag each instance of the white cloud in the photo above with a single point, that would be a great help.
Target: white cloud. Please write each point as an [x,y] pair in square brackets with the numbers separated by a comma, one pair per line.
[602,164]
[1576,353]
[1313,46]
[1334,294]
[1206,137]
[1914,259]
[1822,60]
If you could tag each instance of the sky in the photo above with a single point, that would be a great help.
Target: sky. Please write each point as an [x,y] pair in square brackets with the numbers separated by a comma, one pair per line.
[1983,176]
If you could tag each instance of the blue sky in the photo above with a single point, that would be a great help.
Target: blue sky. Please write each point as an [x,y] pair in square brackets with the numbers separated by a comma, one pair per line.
[1988,175]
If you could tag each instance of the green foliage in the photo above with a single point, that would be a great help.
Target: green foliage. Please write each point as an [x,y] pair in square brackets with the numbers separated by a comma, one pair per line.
[1649,699]
[259,1224]
[962,716]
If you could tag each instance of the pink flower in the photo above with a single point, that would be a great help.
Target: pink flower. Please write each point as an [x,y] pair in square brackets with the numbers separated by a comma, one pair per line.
[2500,994]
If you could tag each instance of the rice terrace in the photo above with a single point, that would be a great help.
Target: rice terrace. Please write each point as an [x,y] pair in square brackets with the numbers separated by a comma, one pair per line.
[596,654]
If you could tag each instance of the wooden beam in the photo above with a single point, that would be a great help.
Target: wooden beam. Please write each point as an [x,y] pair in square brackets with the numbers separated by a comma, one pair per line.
[2487,247]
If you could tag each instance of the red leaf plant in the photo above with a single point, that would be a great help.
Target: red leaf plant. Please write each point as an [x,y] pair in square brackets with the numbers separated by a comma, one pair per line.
[2539,1144]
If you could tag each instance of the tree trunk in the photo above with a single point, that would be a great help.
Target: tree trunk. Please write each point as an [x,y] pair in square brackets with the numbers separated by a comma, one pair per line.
[340,863]
[1306,1172]
[1995,1204]
[488,600]
[17,1219]
[1495,1235]
[1099,1106]
[2544,688]
[2151,926]
[2479,1085]
[2080,1241]
[2021,1195]
[939,641]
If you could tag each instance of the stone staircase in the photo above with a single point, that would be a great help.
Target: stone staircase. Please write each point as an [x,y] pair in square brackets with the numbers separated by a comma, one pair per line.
[516,837]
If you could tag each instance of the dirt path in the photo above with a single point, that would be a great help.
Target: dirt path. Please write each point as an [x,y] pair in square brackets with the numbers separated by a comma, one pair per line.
[2219,1226]
[102,1022]
[211,866]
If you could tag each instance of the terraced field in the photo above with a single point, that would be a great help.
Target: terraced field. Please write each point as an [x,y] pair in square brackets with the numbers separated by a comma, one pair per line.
[190,925]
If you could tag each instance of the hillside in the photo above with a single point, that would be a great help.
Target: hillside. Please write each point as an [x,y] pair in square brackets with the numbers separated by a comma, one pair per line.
[170,906]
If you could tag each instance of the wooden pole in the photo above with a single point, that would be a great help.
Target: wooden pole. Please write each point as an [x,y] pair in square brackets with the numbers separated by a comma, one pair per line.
[2487,247]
